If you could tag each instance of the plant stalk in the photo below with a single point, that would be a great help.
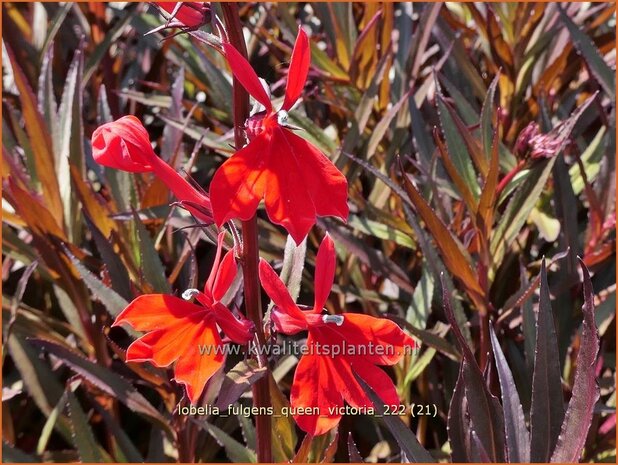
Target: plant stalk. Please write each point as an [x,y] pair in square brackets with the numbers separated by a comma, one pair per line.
[250,249]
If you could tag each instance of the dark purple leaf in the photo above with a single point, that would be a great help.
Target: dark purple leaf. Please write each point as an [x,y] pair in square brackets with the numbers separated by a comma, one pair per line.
[486,413]
[237,381]
[458,423]
[353,452]
[547,410]
[585,388]
[106,380]
[406,439]
[117,271]
[516,433]
[478,452]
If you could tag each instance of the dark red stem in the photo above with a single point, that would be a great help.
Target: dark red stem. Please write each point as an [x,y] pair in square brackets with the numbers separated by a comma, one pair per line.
[250,248]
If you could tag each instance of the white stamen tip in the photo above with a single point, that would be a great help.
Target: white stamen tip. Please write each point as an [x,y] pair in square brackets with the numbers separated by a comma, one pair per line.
[282,117]
[190,293]
[337,319]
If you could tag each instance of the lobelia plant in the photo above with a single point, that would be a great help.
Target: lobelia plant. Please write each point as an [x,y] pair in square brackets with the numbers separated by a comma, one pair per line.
[442,151]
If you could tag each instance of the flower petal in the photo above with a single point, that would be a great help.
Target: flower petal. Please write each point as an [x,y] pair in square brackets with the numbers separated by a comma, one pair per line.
[378,381]
[223,272]
[376,340]
[192,14]
[194,369]
[299,67]
[314,386]
[183,191]
[327,186]
[225,275]
[245,74]
[239,184]
[325,265]
[238,330]
[164,346]
[150,312]
[288,318]
[288,199]
[123,144]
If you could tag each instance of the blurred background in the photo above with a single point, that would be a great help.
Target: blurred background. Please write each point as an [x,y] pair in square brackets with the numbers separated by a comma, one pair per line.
[476,138]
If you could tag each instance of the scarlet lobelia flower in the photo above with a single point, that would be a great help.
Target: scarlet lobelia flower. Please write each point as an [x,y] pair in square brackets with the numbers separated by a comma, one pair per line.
[124,144]
[295,179]
[186,333]
[185,15]
[324,379]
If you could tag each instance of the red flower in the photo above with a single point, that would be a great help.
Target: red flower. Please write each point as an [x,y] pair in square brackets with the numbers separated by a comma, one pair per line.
[189,14]
[124,144]
[325,379]
[186,333]
[295,179]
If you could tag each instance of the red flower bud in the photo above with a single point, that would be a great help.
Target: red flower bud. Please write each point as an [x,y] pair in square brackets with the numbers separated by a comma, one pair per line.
[123,144]
[190,14]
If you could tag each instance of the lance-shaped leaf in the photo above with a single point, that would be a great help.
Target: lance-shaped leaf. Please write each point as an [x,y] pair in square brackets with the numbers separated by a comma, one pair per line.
[87,446]
[353,452]
[585,388]
[517,435]
[458,422]
[547,410]
[596,64]
[485,412]
[237,381]
[104,379]
[455,258]
[456,144]
[40,141]
[487,117]
[405,438]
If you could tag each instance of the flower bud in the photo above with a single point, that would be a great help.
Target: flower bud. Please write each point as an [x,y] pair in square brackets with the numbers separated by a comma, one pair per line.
[123,144]
[191,14]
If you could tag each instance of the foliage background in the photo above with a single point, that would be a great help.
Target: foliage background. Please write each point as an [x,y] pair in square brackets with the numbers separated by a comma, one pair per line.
[408,93]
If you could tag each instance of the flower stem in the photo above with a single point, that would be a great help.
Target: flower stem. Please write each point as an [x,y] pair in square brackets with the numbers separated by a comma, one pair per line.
[250,249]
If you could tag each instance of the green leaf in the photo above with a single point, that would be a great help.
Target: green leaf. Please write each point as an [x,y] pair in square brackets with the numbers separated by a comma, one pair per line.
[113,302]
[597,65]
[151,266]
[12,454]
[456,145]
[487,113]
[380,230]
[67,137]
[420,306]
[126,451]
[234,450]
[87,447]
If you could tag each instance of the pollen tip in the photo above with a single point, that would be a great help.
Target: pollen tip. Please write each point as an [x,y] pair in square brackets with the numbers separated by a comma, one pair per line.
[190,293]
[337,319]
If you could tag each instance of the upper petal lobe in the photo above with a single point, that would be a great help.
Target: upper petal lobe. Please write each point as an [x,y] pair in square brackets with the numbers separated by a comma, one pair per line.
[299,67]
[239,184]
